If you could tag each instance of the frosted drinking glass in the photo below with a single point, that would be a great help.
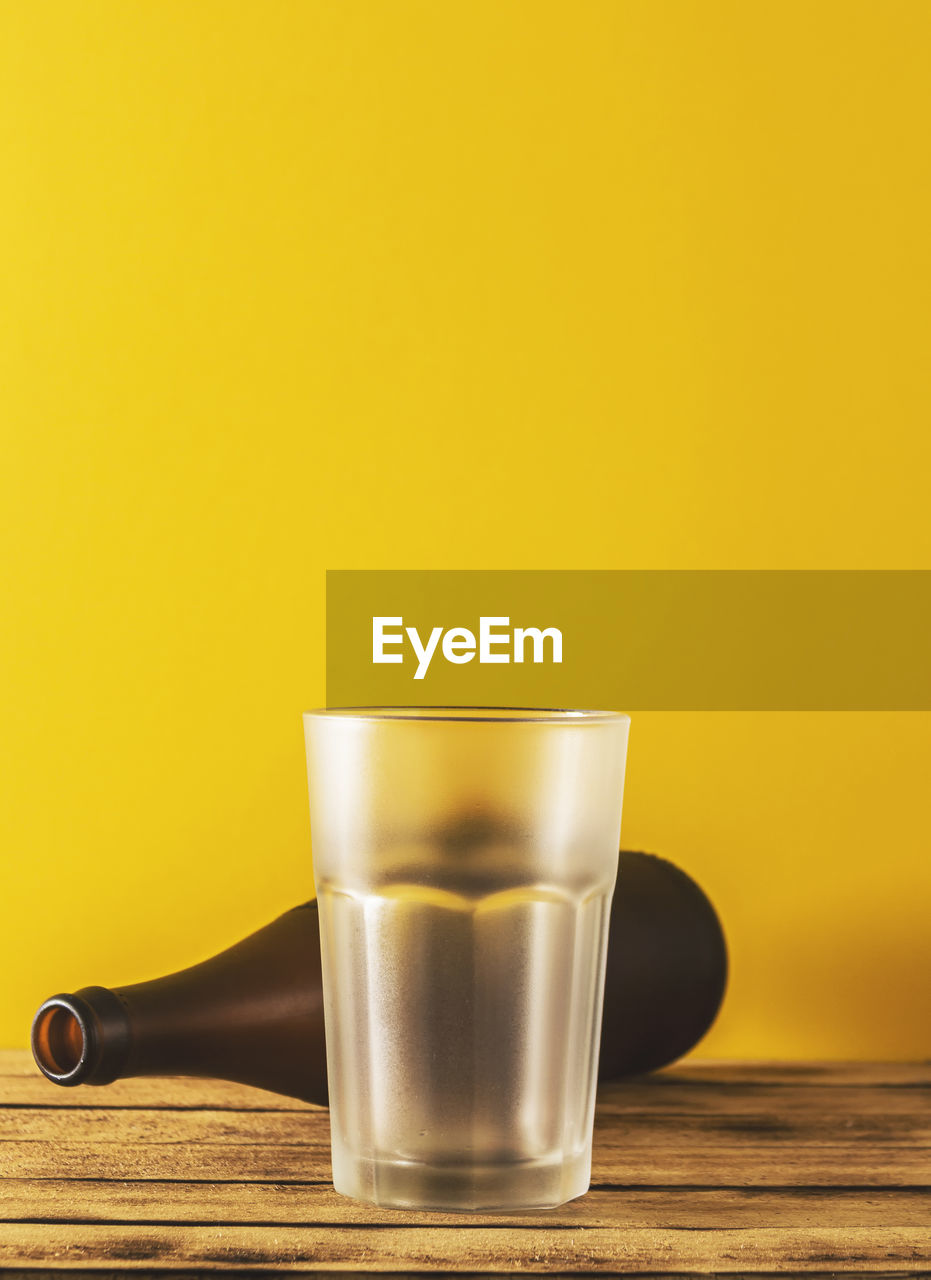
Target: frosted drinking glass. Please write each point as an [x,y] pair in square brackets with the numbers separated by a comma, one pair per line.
[464,861]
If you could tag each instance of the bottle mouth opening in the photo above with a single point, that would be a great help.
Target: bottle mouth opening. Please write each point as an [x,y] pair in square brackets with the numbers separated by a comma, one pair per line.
[59,1040]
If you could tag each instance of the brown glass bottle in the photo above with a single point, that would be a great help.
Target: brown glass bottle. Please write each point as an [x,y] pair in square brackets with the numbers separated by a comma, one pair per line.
[254,1013]
[666,970]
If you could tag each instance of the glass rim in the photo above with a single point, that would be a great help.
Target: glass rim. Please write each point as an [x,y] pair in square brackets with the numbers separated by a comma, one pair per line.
[473,715]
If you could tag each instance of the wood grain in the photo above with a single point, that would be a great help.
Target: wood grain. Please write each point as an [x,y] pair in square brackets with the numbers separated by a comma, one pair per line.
[744,1166]
[858,1086]
[630,1098]
[469,1249]
[174,1203]
[707,1131]
[750,1169]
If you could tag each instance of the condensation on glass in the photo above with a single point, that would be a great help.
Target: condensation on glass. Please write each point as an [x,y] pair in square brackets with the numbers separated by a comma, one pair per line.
[464,860]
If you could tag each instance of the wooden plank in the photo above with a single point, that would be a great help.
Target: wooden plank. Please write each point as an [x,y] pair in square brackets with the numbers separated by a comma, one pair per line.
[22,1082]
[617,1132]
[471,1249]
[660,1096]
[880,1075]
[689,1085]
[147,1272]
[178,1094]
[310,1128]
[655,1095]
[60,1200]
[698,1071]
[786,1164]
[714,1131]
[728,1168]
[170,1093]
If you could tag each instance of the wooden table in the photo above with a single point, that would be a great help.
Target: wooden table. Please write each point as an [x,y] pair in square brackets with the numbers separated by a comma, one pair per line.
[752,1168]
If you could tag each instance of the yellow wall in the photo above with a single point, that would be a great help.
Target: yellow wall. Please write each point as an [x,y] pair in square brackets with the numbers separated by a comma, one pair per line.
[289,286]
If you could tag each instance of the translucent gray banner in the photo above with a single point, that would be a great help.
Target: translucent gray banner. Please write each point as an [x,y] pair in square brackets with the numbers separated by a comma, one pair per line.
[698,640]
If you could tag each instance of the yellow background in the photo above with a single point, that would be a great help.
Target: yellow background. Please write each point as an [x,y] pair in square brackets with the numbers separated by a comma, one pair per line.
[289,286]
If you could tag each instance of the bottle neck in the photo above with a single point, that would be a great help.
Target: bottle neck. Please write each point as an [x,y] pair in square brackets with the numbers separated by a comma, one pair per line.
[84,1038]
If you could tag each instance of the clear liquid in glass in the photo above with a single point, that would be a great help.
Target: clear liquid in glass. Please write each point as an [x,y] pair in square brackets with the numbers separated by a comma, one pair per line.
[462,1035]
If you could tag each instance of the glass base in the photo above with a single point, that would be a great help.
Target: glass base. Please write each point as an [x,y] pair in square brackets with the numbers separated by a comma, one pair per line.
[463,1188]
